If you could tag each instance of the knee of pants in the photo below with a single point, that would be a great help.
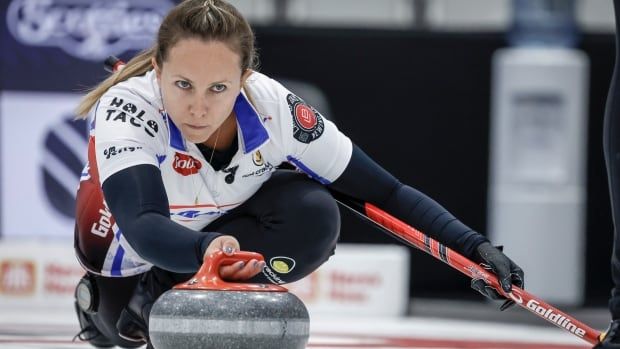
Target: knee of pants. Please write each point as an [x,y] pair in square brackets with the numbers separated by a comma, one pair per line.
[293,221]
[309,238]
[318,215]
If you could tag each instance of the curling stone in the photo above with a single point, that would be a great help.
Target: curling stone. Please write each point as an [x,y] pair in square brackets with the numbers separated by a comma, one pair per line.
[208,312]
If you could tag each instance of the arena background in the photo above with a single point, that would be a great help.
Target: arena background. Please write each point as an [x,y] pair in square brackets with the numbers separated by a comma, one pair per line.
[412,90]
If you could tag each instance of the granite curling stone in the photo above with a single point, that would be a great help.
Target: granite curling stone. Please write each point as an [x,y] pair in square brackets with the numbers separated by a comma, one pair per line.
[207,312]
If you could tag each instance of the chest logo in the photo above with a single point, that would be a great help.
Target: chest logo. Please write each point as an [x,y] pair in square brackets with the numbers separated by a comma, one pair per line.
[185,165]
[258,158]
[230,177]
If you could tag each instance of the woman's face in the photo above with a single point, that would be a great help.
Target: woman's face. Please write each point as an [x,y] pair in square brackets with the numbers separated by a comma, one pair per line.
[199,82]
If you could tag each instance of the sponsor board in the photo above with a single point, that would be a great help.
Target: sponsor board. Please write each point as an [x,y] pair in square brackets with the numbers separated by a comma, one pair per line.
[357,280]
[89,30]
[17,277]
[43,153]
[38,274]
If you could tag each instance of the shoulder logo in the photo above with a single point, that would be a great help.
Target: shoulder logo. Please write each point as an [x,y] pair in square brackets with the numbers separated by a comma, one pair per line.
[120,111]
[308,123]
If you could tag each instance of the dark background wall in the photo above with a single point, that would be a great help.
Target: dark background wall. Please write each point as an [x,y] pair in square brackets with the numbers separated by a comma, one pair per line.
[419,104]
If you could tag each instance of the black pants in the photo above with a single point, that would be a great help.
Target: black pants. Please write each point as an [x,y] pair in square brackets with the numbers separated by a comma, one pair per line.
[611,146]
[292,221]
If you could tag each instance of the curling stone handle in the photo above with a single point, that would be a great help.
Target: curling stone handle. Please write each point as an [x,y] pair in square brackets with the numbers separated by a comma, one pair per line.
[208,276]
[212,263]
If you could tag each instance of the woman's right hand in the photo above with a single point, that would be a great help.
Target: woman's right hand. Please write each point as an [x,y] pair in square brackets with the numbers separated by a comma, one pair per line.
[238,270]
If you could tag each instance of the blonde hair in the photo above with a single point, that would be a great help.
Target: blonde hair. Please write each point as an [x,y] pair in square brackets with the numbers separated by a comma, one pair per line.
[206,20]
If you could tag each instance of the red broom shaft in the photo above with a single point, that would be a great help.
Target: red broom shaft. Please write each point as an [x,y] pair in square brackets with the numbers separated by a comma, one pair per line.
[473,270]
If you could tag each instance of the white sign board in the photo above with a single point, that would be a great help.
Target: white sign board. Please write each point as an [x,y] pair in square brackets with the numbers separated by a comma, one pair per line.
[38,274]
[364,280]
[42,152]
[358,280]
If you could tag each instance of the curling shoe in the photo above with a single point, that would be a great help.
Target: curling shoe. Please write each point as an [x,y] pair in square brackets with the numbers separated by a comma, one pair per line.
[89,332]
[133,323]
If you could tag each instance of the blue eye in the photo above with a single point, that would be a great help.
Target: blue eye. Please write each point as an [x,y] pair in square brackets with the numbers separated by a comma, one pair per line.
[182,84]
[218,88]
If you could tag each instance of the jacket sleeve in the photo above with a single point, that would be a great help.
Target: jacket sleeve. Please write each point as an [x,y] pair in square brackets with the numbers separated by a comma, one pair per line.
[365,180]
[137,199]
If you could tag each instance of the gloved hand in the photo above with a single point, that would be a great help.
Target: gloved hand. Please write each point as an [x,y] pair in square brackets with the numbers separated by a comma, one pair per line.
[508,273]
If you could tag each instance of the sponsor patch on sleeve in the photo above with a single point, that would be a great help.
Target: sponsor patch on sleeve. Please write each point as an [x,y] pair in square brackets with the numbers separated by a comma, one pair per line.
[307,122]
[113,151]
[120,111]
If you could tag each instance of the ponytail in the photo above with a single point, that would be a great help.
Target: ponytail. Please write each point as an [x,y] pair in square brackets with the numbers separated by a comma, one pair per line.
[137,66]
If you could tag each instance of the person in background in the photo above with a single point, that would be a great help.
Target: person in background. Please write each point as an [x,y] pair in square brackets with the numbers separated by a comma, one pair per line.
[611,148]
[183,160]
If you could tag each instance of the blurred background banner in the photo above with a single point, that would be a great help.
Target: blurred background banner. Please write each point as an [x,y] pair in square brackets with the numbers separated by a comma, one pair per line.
[90,30]
[60,44]
[52,52]
[43,153]
[410,81]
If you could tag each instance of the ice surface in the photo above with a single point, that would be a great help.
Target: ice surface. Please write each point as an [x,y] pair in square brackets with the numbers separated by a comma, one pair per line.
[54,328]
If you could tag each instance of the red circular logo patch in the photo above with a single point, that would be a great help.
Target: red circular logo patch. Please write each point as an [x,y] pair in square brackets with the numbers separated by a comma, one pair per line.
[308,123]
[305,116]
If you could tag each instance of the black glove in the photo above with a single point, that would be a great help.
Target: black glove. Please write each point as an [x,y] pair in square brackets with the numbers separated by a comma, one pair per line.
[508,273]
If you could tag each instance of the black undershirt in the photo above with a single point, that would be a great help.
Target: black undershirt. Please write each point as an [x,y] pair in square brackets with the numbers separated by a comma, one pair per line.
[219,159]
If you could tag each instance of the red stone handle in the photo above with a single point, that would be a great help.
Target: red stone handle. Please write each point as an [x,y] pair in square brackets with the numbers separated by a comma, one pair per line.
[208,277]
